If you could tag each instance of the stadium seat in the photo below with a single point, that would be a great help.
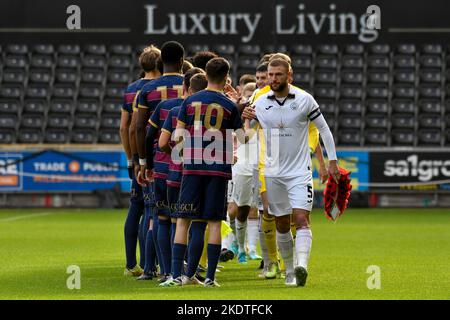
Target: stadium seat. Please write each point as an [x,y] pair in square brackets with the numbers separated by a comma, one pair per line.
[350,107]
[430,61]
[249,49]
[66,76]
[349,122]
[379,49]
[378,76]
[43,49]
[108,136]
[114,92]
[351,92]
[96,76]
[378,62]
[248,62]
[83,136]
[430,91]
[404,76]
[35,106]
[37,91]
[328,49]
[349,137]
[431,49]
[429,137]
[430,76]
[404,62]
[56,136]
[42,62]
[119,76]
[301,62]
[91,91]
[14,76]
[271,48]
[404,91]
[376,137]
[430,106]
[32,121]
[302,78]
[71,62]
[7,136]
[224,49]
[94,49]
[64,91]
[29,136]
[406,48]
[322,76]
[402,137]
[301,49]
[402,121]
[194,48]
[430,121]
[110,121]
[112,106]
[11,91]
[68,49]
[61,106]
[331,121]
[377,91]
[326,62]
[376,121]
[88,106]
[93,61]
[120,49]
[16,49]
[16,62]
[354,49]
[325,91]
[9,106]
[40,76]
[352,61]
[327,106]
[58,120]
[8,121]
[403,106]
[377,106]
[352,76]
[85,121]
[119,62]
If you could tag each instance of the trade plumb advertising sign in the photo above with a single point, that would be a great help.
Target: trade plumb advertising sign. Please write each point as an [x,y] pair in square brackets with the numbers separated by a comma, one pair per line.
[410,170]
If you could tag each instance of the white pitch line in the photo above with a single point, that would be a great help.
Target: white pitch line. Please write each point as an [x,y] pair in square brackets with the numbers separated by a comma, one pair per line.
[25,216]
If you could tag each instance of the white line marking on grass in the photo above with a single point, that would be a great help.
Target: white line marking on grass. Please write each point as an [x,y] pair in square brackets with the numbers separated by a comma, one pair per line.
[26,216]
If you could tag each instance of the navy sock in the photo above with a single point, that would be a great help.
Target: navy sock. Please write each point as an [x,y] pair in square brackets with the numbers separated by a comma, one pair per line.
[143,229]
[213,259]
[150,253]
[155,238]
[173,229]
[178,251]
[196,245]
[164,245]
[131,231]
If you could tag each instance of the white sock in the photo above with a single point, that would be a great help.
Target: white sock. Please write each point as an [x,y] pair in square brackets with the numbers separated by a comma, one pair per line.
[303,243]
[233,225]
[252,234]
[286,246]
[241,231]
[262,243]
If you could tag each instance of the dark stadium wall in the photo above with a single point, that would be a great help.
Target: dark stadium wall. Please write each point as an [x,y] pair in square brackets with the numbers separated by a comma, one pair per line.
[232,21]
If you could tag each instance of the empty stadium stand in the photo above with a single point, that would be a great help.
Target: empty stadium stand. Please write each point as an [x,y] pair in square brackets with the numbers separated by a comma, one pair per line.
[371,95]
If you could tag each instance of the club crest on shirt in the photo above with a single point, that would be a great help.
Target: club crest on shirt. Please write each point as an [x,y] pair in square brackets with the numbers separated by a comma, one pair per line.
[294,105]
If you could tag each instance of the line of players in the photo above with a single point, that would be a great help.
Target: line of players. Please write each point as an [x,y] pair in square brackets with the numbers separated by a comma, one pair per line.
[180,200]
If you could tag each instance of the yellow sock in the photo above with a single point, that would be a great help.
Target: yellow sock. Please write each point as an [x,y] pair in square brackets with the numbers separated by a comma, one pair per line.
[293,230]
[204,256]
[282,266]
[269,228]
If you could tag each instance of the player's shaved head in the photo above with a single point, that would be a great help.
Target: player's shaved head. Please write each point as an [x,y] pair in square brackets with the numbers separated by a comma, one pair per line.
[198,82]
[281,56]
[280,63]
[217,70]
[172,52]
[189,74]
[201,58]
[149,57]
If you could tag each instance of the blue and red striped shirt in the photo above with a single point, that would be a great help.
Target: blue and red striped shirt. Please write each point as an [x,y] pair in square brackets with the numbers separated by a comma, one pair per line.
[131,94]
[175,168]
[209,118]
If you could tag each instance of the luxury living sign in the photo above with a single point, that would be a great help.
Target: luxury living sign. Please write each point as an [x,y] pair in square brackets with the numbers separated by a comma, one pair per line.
[364,25]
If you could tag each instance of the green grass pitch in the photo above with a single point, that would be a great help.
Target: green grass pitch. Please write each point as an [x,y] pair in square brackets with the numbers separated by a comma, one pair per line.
[411,247]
